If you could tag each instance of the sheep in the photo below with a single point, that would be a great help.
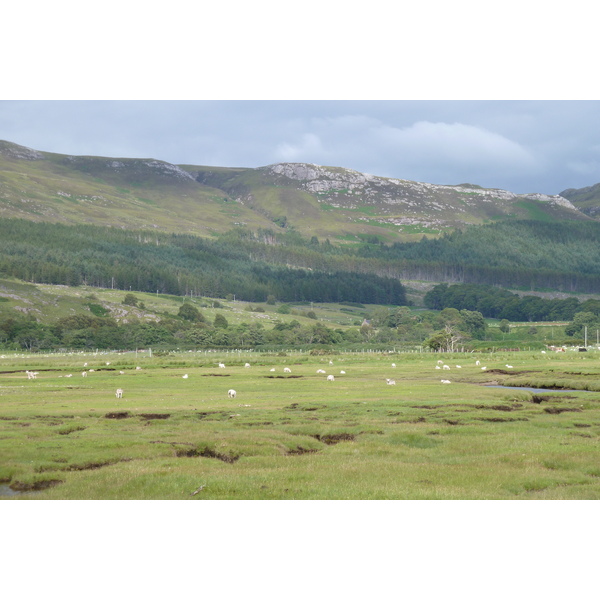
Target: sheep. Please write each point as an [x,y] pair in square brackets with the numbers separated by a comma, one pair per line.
[330,378]
[458,367]
[84,374]
[221,366]
[272,370]
[287,370]
[331,363]
[121,372]
[477,363]
[69,375]
[342,372]
[107,364]
[30,374]
[438,367]
[138,368]
[446,368]
[391,381]
[483,368]
[231,393]
[394,365]
[445,381]
[320,371]
[440,362]
[119,393]
[247,366]
[509,366]
[184,376]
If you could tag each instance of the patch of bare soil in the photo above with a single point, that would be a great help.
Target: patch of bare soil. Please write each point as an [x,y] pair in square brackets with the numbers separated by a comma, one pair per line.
[206,453]
[117,415]
[284,376]
[19,486]
[507,372]
[335,438]
[300,450]
[216,375]
[499,420]
[149,416]
[555,410]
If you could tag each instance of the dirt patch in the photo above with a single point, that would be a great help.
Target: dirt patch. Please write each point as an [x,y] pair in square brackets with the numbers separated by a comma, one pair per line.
[206,453]
[555,410]
[149,416]
[426,406]
[117,415]
[216,375]
[499,420]
[258,423]
[582,425]
[19,486]
[507,372]
[91,466]
[335,438]
[284,376]
[300,450]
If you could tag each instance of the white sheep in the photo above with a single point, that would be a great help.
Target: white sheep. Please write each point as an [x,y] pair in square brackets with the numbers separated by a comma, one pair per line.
[119,393]
[221,366]
[272,370]
[320,371]
[84,374]
[287,370]
[331,363]
[446,368]
[231,393]
[330,378]
[247,365]
[445,381]
[342,372]
[458,367]
[509,367]
[477,363]
[391,381]
[438,367]
[30,374]
[184,376]
[483,368]
[121,372]
[440,362]
[394,365]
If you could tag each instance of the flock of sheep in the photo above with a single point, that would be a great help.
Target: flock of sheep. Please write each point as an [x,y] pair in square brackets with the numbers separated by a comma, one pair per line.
[232,393]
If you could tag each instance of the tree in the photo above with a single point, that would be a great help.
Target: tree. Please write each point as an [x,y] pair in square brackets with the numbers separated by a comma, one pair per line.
[190,313]
[221,321]
[130,300]
[444,340]
[504,326]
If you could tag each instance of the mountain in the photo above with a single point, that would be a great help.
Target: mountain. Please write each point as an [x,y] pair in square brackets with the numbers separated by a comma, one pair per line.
[586,199]
[316,201]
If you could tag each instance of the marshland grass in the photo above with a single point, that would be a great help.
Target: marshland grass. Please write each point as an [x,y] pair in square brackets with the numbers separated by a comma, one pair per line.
[296,436]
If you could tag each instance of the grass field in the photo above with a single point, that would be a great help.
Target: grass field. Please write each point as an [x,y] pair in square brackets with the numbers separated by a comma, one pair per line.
[297,436]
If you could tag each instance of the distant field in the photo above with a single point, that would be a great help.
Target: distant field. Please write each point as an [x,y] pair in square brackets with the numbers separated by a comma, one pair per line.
[296,435]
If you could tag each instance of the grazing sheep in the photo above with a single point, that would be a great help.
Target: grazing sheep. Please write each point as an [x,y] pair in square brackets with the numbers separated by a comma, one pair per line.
[287,370]
[391,381]
[121,372]
[446,367]
[440,362]
[221,366]
[30,374]
[477,363]
[438,367]
[509,366]
[272,370]
[69,375]
[331,363]
[458,367]
[231,393]
[107,364]
[84,374]
[247,366]
[320,371]
[138,368]
[483,368]
[184,376]
[394,365]
[445,381]
[342,372]
[330,378]
[119,393]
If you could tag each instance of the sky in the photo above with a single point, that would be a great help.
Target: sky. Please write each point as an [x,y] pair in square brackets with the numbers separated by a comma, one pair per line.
[524,146]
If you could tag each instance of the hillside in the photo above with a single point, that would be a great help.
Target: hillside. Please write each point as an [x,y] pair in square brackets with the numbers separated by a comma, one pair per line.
[325,202]
[586,199]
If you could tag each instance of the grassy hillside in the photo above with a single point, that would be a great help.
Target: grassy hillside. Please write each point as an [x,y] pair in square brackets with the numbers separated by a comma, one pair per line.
[326,202]
[586,199]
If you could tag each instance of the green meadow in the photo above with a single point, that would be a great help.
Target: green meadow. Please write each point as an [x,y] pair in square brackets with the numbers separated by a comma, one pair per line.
[295,435]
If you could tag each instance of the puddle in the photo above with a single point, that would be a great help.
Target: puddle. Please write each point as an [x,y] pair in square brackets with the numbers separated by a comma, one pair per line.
[6,491]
